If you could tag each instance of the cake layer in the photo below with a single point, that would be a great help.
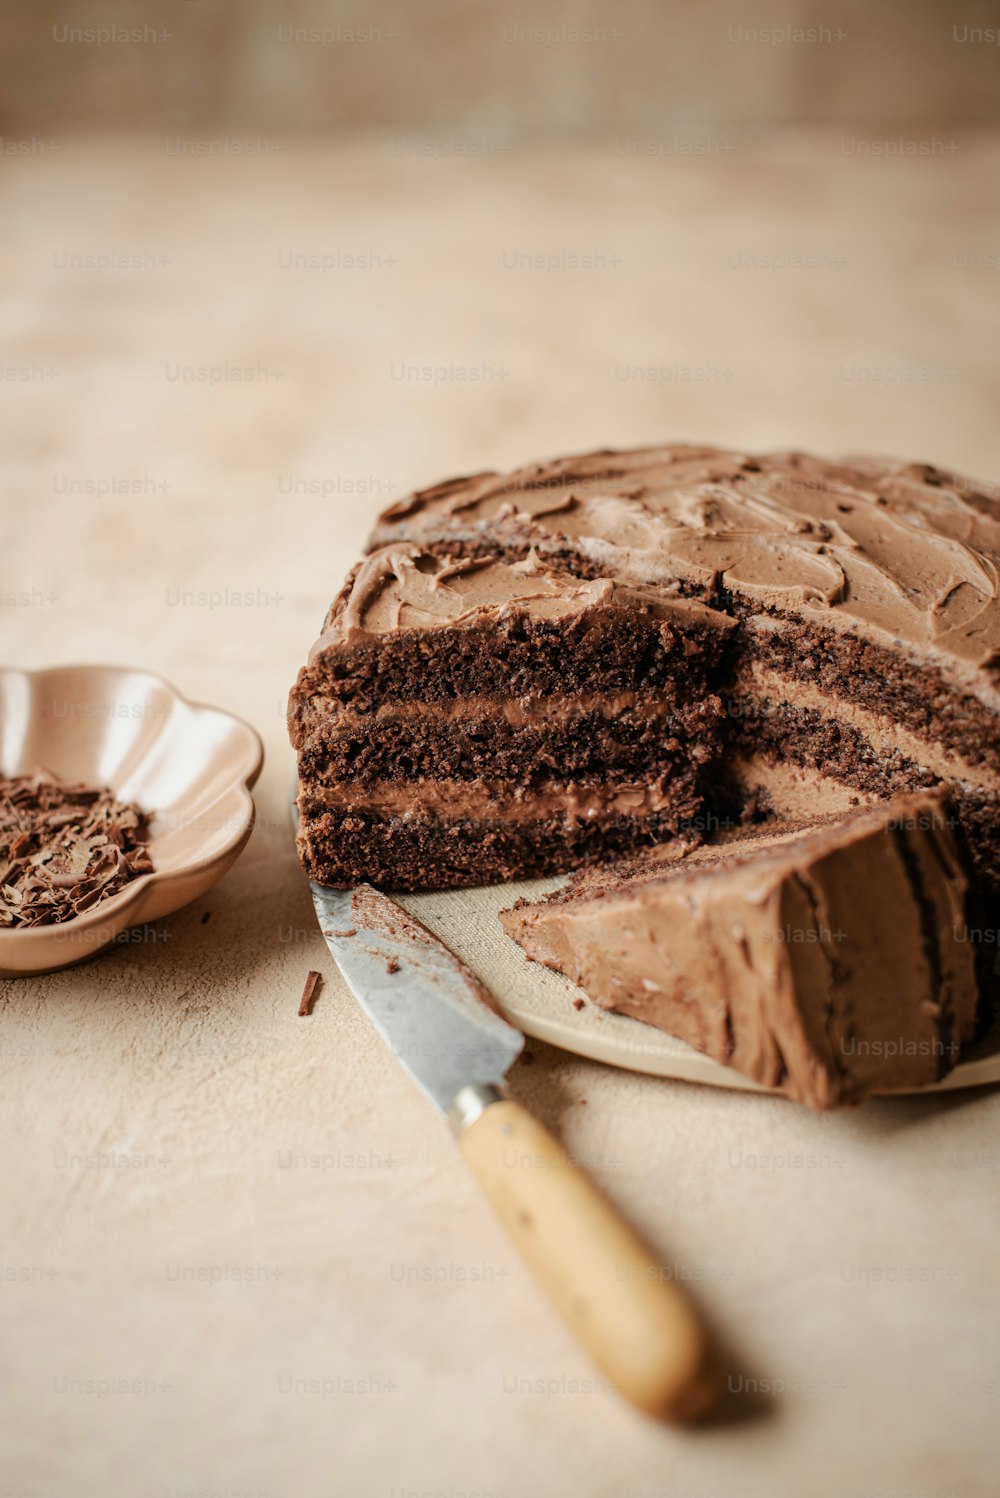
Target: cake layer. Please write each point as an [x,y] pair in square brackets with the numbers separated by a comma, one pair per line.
[411,625]
[407,852]
[830,961]
[559,740]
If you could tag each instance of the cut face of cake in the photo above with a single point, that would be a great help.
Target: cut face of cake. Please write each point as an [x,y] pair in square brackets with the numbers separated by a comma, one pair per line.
[867,655]
[829,961]
[463,720]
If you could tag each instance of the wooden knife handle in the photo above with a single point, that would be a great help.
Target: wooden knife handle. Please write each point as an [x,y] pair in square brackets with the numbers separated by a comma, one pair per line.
[636,1324]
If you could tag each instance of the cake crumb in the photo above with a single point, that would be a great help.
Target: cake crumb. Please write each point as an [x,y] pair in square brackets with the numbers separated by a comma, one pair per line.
[206,918]
[308,998]
[579,1003]
[392,966]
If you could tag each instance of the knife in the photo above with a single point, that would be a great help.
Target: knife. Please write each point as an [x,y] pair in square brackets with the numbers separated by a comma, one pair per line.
[444,1026]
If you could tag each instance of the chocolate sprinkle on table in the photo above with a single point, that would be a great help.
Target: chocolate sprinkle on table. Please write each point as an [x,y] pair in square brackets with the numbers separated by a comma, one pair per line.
[64,849]
[309,993]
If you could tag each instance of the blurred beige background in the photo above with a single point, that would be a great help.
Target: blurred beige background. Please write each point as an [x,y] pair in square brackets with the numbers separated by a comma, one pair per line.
[551,69]
[251,291]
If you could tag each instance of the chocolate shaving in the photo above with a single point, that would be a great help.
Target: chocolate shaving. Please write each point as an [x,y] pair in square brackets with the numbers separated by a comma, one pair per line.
[309,993]
[64,849]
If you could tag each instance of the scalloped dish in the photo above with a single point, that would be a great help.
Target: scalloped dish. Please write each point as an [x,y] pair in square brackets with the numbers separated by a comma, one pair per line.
[188,766]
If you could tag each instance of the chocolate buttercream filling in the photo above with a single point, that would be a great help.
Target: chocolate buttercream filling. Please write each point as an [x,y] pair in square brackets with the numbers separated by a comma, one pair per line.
[458,799]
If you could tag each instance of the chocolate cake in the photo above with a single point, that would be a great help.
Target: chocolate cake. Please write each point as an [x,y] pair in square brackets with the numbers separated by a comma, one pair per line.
[829,960]
[867,655]
[540,670]
[463,721]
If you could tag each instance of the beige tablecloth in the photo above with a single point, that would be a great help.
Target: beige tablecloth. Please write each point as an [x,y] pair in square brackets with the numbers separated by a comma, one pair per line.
[292,1287]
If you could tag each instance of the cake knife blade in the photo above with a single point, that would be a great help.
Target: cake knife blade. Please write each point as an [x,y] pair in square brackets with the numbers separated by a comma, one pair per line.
[443,1025]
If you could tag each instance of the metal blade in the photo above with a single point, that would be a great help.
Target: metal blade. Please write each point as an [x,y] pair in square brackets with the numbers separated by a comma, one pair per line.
[433,1013]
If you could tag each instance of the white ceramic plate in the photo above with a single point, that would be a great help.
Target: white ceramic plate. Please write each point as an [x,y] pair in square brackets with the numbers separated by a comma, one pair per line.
[540,1002]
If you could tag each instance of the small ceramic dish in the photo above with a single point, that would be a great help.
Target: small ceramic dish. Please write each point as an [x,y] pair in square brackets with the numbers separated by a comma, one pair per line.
[189,767]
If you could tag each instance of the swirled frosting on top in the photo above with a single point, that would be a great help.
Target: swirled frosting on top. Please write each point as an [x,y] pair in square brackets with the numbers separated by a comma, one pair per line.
[402,587]
[905,551]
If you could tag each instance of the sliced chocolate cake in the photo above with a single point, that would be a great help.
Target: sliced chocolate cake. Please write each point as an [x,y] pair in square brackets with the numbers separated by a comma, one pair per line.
[621,651]
[829,961]
[462,721]
[867,658]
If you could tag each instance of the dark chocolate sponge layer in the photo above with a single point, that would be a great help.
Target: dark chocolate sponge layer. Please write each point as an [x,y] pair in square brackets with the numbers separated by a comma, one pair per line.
[390,746]
[412,854]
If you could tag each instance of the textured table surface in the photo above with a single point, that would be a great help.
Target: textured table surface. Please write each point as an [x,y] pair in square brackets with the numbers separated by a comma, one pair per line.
[291,1287]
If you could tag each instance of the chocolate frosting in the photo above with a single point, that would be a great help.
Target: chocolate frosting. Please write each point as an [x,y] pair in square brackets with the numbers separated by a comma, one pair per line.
[904,551]
[401,586]
[831,962]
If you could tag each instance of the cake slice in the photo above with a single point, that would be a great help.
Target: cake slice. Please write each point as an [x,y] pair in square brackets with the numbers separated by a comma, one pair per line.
[830,961]
[462,721]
